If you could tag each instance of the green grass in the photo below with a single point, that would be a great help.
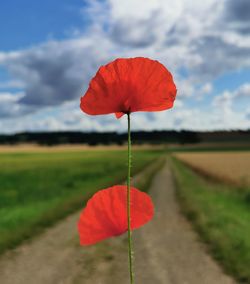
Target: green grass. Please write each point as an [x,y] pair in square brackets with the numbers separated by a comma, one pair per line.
[37,189]
[221,215]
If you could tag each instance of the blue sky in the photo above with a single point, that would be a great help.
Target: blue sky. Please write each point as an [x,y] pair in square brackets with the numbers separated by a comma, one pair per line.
[27,23]
[49,50]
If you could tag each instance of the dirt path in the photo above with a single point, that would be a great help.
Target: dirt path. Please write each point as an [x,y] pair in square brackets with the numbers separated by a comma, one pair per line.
[166,251]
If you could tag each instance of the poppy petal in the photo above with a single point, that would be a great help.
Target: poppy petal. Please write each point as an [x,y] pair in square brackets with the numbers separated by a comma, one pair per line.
[105,215]
[129,85]
[119,114]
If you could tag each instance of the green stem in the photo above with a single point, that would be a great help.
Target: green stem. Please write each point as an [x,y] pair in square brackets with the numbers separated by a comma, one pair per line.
[130,250]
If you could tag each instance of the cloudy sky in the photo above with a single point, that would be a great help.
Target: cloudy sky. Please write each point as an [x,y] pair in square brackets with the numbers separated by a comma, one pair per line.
[49,50]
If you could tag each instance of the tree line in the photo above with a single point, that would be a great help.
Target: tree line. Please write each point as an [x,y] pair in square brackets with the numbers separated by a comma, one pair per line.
[139,137]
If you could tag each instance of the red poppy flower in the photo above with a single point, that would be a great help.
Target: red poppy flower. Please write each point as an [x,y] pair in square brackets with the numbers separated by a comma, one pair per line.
[106,214]
[128,85]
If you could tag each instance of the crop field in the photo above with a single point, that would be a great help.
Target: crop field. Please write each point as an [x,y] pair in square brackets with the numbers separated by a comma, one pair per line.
[231,167]
[38,188]
[219,208]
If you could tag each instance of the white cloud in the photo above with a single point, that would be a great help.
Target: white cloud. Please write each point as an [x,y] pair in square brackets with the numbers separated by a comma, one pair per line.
[9,105]
[206,88]
[228,98]
[226,113]
[206,38]
[243,91]
[185,88]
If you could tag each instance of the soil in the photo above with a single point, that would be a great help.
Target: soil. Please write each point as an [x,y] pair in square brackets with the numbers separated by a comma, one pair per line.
[166,250]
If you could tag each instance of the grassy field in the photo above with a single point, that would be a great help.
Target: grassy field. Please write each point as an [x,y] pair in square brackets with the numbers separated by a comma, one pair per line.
[221,215]
[230,167]
[36,189]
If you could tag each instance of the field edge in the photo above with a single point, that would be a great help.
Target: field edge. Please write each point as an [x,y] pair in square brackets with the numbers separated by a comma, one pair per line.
[195,216]
[61,211]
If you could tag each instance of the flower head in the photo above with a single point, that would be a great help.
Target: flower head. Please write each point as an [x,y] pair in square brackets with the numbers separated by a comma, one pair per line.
[105,215]
[128,85]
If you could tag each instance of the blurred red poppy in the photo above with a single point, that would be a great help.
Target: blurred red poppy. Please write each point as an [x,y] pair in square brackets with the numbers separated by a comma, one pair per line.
[128,85]
[106,214]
